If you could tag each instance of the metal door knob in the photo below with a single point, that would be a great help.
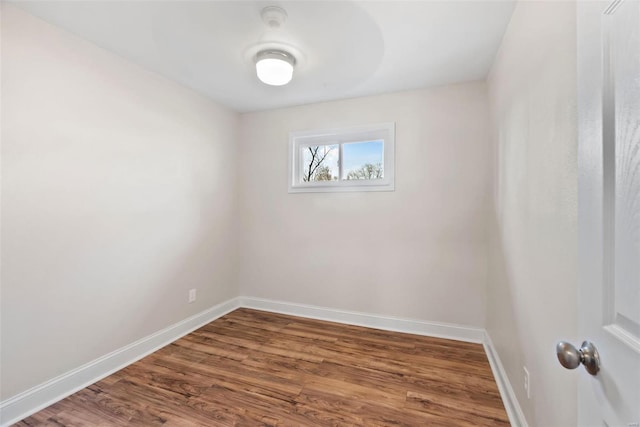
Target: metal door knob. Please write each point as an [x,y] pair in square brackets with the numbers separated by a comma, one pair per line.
[571,357]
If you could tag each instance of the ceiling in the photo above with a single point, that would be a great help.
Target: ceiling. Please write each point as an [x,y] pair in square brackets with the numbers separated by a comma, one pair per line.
[344,49]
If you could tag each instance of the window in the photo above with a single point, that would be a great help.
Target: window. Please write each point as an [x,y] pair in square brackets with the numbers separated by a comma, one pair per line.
[348,159]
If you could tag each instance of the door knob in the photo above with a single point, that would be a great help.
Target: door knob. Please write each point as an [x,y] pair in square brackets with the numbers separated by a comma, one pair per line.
[571,357]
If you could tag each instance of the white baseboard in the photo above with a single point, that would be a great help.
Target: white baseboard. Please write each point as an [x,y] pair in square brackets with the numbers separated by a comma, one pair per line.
[28,402]
[514,411]
[389,323]
[31,401]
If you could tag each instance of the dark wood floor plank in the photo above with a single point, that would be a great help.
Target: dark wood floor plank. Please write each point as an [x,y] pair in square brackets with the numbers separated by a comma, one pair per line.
[252,368]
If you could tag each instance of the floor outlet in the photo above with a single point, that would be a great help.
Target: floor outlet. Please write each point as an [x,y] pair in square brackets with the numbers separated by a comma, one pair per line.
[192,295]
[527,382]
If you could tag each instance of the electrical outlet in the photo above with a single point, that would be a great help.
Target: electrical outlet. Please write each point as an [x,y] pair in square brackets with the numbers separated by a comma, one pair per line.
[527,382]
[192,295]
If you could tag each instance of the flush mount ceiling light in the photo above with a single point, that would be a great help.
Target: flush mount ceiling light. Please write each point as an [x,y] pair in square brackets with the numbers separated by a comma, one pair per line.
[275,67]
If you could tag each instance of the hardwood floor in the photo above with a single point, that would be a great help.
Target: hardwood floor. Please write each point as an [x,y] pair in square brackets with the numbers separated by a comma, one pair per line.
[253,368]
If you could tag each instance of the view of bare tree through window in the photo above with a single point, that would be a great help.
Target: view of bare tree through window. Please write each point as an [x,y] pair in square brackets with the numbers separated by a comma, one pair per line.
[367,171]
[363,160]
[320,163]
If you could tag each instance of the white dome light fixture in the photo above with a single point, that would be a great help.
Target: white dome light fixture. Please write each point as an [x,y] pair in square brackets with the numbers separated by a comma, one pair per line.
[275,67]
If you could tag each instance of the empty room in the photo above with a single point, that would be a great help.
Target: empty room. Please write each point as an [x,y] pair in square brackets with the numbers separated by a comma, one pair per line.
[320,213]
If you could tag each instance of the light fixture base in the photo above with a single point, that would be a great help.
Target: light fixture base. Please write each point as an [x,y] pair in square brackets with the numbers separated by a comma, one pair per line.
[276,54]
[274,16]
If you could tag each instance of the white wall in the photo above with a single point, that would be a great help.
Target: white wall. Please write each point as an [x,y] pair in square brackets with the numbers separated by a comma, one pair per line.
[531,301]
[118,195]
[418,252]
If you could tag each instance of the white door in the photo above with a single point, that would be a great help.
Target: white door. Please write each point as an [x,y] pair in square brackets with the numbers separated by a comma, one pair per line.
[609,209]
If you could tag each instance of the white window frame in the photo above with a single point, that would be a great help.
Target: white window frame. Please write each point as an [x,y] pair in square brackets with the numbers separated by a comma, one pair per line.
[339,136]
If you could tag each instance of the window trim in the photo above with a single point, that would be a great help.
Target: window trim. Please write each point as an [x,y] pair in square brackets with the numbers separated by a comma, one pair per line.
[339,136]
